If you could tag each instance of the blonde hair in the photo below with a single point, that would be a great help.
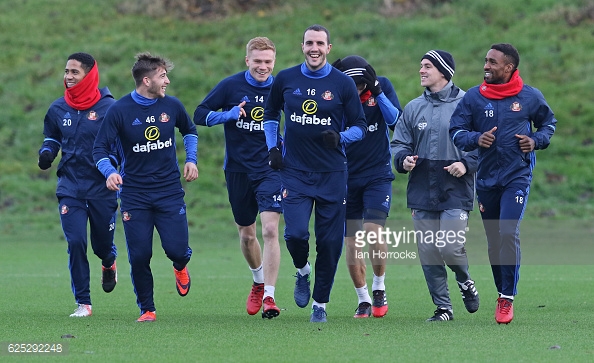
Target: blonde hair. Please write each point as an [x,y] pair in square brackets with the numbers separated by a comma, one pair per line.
[259,43]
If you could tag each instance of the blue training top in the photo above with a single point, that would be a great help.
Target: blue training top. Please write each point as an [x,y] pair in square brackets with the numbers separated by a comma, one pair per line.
[74,131]
[371,156]
[145,136]
[245,143]
[503,163]
[312,103]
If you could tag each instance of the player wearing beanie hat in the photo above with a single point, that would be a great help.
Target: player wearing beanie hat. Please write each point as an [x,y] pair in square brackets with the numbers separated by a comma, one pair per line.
[443,61]
[352,66]
[422,147]
[362,73]
[369,185]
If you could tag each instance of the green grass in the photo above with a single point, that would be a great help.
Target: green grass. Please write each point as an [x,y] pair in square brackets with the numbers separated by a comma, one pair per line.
[37,35]
[554,305]
[210,324]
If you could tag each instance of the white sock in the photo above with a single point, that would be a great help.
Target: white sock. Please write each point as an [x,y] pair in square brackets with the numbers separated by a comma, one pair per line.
[506,297]
[305,270]
[320,305]
[258,274]
[363,294]
[378,283]
[268,291]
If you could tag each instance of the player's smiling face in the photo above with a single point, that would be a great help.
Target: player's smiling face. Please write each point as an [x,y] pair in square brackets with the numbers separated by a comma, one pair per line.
[315,48]
[497,69]
[73,73]
[157,83]
[260,64]
[431,77]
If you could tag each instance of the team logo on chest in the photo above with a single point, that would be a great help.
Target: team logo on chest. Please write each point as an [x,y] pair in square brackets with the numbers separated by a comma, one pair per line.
[164,117]
[371,102]
[327,96]
[92,115]
[515,107]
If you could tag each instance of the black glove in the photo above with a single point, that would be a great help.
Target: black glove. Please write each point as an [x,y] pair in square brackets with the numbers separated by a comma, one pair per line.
[275,158]
[331,138]
[45,160]
[371,80]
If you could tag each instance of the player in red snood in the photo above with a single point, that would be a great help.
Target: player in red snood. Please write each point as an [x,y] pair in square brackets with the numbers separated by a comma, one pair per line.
[71,124]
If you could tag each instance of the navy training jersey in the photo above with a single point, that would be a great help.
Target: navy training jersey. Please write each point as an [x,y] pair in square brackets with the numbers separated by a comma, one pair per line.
[145,136]
[245,142]
[74,131]
[313,105]
[504,161]
[371,156]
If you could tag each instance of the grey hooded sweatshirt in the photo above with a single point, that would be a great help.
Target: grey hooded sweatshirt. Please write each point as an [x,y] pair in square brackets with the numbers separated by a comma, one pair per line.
[423,130]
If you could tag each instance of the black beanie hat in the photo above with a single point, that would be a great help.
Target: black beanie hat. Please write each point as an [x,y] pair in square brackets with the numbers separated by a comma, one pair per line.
[443,61]
[352,66]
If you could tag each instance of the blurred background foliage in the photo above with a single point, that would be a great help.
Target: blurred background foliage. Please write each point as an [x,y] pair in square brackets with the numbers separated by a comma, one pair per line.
[206,41]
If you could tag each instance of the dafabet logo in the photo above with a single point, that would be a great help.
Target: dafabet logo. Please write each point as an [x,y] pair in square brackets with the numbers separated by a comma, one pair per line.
[310,107]
[152,134]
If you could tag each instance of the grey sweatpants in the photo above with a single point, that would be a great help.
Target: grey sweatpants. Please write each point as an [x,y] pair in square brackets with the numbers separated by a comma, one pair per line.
[440,241]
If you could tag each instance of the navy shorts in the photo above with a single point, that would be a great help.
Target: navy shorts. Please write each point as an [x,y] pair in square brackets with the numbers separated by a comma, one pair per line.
[368,198]
[253,193]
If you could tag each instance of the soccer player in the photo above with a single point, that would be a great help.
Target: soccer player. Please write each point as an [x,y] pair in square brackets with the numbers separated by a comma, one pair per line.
[506,120]
[319,103]
[71,124]
[143,125]
[370,181]
[251,185]
[440,190]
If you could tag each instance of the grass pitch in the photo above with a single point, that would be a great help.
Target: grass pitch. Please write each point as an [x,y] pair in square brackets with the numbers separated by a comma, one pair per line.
[553,320]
